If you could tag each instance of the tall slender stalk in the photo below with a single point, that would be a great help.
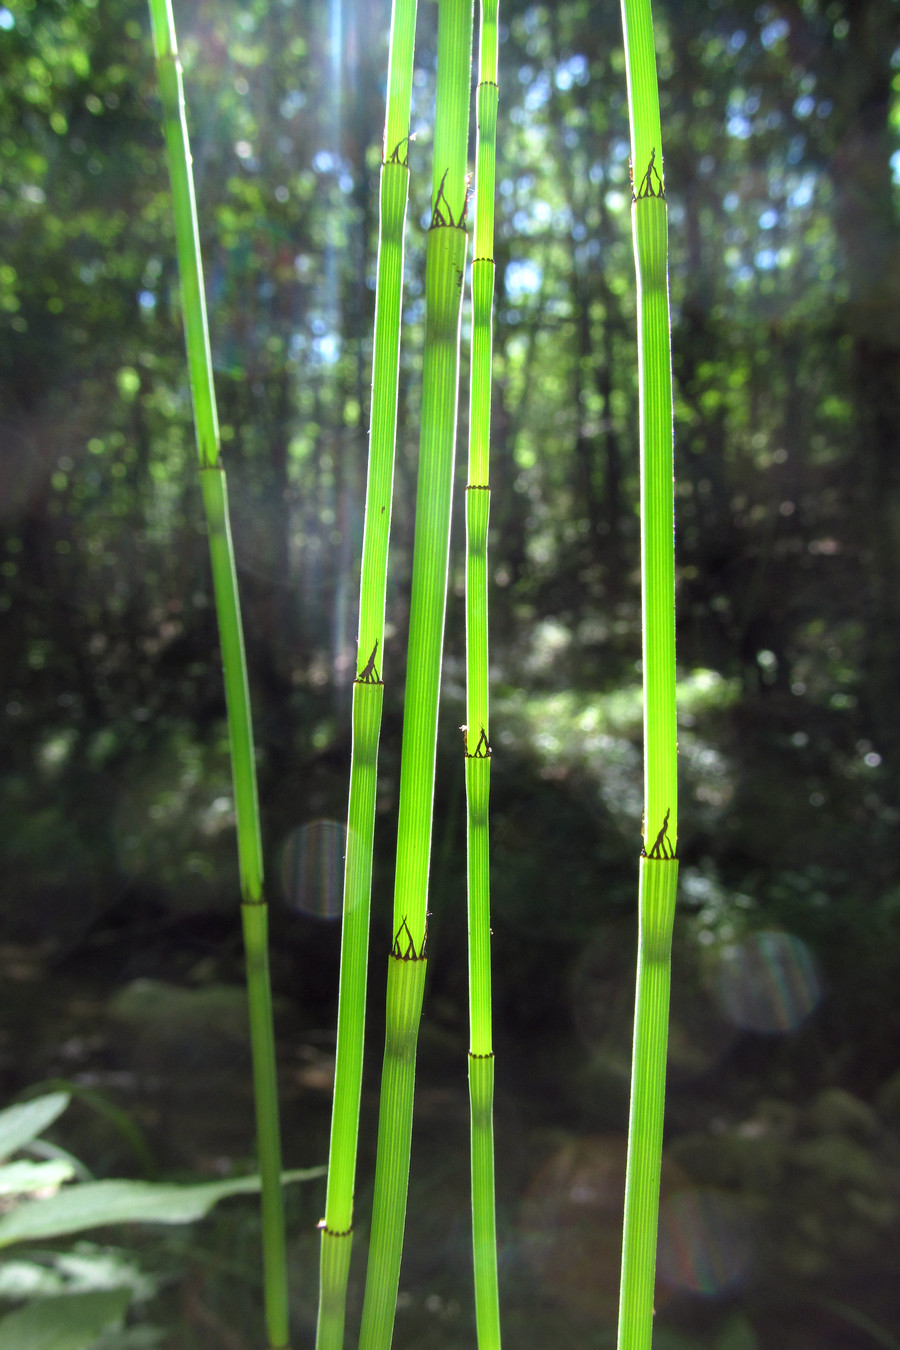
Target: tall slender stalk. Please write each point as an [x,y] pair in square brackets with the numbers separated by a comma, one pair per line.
[368,688]
[444,272]
[477,741]
[658,862]
[254,910]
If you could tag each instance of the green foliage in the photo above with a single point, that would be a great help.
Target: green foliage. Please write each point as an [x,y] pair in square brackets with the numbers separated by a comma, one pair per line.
[67,1321]
[60,1315]
[20,1124]
[100,1203]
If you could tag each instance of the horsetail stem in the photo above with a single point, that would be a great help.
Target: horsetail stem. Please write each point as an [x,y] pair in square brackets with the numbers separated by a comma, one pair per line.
[368,688]
[254,909]
[658,862]
[476,738]
[444,270]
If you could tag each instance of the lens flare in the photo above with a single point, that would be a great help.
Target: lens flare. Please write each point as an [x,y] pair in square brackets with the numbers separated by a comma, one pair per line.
[705,1243]
[570,1223]
[768,982]
[312,868]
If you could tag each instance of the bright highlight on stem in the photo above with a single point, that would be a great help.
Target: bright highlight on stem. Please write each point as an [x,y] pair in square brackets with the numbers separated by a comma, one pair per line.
[368,689]
[477,742]
[444,273]
[240,728]
[658,863]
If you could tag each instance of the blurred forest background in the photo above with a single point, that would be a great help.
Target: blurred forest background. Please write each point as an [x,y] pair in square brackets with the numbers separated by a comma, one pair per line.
[119,927]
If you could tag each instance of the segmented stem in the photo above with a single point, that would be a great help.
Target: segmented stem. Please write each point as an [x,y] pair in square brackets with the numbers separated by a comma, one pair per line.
[445,267]
[234,664]
[658,864]
[477,741]
[368,688]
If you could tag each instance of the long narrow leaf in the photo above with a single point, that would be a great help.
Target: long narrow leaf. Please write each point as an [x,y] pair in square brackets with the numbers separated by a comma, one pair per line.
[96,1204]
[24,1121]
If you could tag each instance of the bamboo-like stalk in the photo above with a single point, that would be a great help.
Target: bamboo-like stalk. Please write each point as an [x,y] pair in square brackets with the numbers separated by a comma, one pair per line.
[658,863]
[254,910]
[444,272]
[476,734]
[368,688]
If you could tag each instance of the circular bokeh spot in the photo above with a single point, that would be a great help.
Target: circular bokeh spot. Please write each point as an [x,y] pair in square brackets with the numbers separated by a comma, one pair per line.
[768,982]
[312,868]
[570,1223]
[705,1241]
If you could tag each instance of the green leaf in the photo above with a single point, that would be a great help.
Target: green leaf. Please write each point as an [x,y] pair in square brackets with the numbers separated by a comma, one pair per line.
[132,1338]
[17,1178]
[98,1203]
[24,1122]
[69,1322]
[85,1269]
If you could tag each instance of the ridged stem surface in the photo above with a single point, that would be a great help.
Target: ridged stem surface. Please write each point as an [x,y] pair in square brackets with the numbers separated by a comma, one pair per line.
[406,984]
[658,864]
[237,695]
[444,274]
[476,736]
[368,689]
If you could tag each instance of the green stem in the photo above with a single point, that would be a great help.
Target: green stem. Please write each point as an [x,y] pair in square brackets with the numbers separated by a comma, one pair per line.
[268,1133]
[444,272]
[657,887]
[405,987]
[368,690]
[477,744]
[187,234]
[214,488]
[237,694]
[659,865]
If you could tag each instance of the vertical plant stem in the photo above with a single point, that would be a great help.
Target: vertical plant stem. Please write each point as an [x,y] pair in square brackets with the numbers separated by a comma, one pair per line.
[658,863]
[477,740]
[368,688]
[240,727]
[444,271]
